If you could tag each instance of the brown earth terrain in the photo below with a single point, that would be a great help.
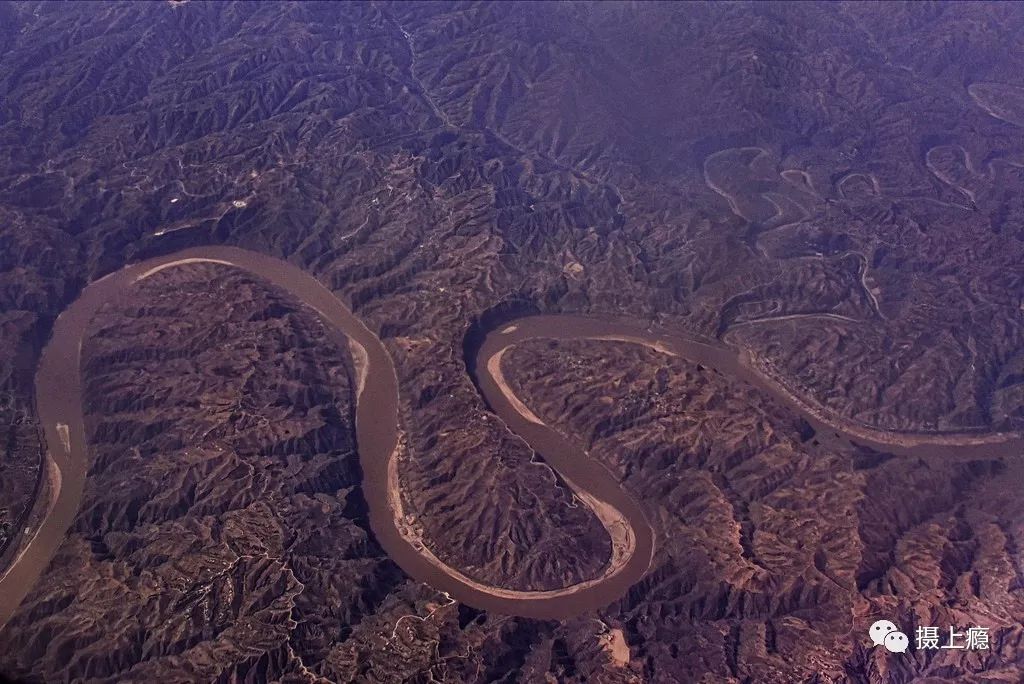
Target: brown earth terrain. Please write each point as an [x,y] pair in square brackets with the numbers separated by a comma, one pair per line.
[222,497]
[775,543]
[834,189]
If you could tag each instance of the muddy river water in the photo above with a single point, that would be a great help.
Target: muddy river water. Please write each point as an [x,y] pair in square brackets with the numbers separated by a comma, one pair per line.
[59,406]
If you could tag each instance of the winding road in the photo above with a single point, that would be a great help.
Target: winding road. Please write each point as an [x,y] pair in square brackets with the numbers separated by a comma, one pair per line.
[380,444]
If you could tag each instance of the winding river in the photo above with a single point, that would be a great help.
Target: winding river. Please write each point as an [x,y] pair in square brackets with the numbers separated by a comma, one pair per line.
[59,407]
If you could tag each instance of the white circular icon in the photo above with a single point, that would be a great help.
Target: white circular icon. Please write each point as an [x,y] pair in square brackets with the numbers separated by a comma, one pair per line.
[880,630]
[896,642]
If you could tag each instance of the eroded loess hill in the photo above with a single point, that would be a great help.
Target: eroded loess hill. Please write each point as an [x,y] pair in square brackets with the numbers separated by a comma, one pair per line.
[834,188]
[223,530]
[775,543]
[222,526]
